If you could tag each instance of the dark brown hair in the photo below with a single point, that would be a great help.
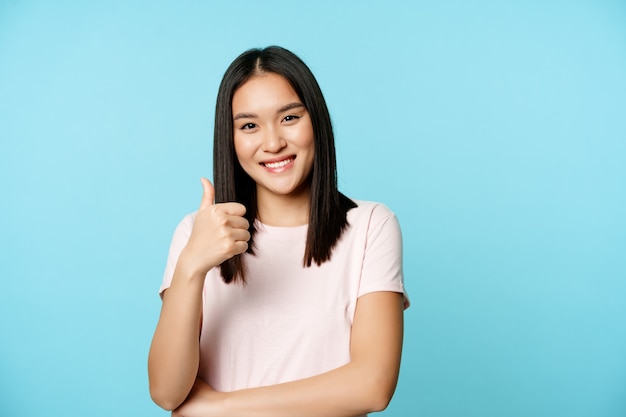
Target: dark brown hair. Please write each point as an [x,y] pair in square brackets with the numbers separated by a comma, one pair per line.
[328,212]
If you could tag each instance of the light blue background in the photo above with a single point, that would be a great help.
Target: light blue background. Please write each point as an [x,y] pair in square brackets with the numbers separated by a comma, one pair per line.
[495,130]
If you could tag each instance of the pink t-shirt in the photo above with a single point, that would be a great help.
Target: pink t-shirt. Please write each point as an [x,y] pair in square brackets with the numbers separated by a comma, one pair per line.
[290,322]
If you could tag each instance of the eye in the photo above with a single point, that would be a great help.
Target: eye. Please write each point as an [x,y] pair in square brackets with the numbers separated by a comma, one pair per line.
[248,126]
[290,118]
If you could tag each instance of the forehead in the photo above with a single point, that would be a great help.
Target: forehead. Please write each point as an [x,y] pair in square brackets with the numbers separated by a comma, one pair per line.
[262,90]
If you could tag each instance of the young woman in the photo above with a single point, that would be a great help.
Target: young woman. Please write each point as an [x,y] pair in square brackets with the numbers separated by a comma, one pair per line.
[281,296]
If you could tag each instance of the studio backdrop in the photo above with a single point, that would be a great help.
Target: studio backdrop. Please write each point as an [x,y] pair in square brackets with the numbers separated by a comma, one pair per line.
[496,131]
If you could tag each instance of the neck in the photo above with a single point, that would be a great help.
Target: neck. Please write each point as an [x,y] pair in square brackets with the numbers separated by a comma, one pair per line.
[283,210]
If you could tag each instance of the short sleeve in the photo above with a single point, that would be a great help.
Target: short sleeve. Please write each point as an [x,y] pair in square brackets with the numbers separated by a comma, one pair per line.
[382,263]
[179,241]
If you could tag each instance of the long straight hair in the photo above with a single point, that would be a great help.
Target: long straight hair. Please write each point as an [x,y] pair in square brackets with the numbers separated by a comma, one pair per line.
[328,207]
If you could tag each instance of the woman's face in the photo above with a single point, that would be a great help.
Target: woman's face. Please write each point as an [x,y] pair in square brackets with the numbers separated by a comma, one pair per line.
[273,136]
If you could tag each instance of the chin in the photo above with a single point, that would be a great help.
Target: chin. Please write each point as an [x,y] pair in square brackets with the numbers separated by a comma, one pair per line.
[289,190]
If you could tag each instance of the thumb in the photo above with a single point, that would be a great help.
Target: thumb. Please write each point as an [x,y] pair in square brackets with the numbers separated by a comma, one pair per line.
[208,194]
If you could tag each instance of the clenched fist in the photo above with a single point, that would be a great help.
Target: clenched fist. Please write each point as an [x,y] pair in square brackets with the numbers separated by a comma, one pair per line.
[219,232]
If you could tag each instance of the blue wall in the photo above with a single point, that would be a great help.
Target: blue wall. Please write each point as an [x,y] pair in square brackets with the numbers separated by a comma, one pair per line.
[495,130]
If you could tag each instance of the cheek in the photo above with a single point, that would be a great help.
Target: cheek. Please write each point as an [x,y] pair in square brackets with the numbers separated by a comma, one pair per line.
[306,138]
[242,149]
[306,142]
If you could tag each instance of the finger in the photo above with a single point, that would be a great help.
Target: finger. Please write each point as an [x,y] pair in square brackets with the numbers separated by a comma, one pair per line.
[233,209]
[240,247]
[238,222]
[208,194]
[240,235]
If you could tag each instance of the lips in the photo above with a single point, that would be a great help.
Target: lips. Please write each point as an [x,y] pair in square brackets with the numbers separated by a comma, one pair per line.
[278,163]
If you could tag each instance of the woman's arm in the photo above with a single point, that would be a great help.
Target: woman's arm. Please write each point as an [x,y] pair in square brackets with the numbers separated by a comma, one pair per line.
[365,384]
[174,354]
[219,232]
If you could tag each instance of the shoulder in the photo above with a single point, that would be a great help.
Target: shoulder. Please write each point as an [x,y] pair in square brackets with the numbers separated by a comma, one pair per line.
[371,212]
[183,230]
[189,218]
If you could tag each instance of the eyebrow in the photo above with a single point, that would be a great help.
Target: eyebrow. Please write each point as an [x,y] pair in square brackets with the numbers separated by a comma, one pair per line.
[290,106]
[286,107]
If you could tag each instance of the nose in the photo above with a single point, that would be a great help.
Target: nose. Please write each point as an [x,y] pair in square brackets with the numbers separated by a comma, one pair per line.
[273,141]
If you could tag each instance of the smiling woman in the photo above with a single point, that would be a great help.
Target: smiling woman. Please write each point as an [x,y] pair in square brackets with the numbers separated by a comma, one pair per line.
[281,296]
[274,144]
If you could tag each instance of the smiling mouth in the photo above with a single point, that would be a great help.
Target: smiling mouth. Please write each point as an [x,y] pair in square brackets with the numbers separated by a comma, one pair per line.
[278,164]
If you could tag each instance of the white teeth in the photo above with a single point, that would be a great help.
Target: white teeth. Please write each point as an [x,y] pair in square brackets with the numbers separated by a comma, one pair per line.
[278,164]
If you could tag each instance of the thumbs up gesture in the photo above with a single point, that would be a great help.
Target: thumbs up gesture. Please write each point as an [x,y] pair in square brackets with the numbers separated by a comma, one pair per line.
[219,232]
